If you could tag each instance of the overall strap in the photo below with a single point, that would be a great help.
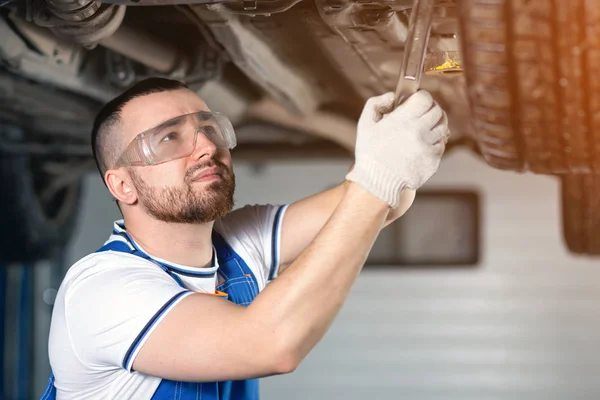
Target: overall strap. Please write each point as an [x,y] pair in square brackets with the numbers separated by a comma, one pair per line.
[50,392]
[231,265]
[223,250]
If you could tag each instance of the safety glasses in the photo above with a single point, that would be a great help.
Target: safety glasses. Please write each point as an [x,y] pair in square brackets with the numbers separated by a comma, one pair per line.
[176,138]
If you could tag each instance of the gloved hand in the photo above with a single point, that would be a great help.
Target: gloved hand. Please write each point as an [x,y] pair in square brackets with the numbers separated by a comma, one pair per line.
[400,150]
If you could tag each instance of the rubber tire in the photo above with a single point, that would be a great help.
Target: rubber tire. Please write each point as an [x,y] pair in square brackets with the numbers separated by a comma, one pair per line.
[27,234]
[581,213]
[533,76]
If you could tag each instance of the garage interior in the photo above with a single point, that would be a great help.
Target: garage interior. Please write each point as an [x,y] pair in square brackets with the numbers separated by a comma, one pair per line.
[486,288]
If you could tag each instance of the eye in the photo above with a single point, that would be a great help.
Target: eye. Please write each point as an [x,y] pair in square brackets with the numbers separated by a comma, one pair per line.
[208,130]
[170,136]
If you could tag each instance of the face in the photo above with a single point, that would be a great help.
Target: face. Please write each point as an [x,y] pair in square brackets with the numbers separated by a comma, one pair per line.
[195,189]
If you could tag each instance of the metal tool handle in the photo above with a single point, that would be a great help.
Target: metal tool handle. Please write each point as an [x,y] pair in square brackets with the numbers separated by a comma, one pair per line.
[415,49]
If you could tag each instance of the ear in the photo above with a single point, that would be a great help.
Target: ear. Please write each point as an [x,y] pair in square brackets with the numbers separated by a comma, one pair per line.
[119,183]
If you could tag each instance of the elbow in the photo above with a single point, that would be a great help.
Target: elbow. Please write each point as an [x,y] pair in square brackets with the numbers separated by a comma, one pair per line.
[284,359]
[286,363]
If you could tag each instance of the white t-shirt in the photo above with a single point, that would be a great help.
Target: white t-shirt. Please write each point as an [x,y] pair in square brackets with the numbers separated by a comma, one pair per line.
[109,303]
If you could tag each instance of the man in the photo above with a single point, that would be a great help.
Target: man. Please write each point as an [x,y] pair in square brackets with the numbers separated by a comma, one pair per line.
[176,303]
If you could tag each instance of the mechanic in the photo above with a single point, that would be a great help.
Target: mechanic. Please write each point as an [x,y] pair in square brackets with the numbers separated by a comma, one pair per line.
[181,301]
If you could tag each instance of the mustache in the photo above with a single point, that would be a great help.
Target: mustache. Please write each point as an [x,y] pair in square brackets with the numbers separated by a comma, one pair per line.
[221,168]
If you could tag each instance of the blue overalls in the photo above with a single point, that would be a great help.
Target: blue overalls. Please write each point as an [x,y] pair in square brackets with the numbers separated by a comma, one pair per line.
[240,287]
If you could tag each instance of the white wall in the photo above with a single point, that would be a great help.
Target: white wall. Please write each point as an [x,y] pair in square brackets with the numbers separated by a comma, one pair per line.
[522,325]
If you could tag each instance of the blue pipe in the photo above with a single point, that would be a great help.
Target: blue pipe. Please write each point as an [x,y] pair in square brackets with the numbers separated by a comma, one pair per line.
[24,333]
[2,319]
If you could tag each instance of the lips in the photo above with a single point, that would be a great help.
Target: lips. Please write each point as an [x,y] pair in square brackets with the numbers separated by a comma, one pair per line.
[205,173]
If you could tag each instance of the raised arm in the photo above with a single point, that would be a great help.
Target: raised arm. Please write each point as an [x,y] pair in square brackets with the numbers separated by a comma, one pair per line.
[204,338]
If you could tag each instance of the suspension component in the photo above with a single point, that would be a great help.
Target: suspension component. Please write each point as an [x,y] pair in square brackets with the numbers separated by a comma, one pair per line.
[86,22]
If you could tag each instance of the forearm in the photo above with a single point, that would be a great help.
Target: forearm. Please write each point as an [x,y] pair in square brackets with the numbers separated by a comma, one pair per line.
[299,306]
[321,206]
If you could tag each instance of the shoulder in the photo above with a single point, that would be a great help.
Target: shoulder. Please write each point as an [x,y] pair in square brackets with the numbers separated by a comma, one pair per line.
[106,261]
[251,226]
[250,219]
[105,302]
[108,270]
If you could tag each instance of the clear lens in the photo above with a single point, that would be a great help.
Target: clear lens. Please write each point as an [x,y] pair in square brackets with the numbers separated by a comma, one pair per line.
[226,131]
[134,154]
[175,138]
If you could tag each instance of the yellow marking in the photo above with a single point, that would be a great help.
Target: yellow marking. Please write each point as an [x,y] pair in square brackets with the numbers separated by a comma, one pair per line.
[447,65]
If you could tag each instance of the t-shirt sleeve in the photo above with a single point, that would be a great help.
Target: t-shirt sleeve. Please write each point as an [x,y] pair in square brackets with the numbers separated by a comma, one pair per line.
[254,232]
[112,309]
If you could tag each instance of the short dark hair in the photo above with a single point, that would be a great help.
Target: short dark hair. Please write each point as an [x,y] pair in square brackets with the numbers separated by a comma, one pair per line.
[107,148]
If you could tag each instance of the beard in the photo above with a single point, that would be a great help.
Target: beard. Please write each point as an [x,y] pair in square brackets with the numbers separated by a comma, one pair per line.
[186,204]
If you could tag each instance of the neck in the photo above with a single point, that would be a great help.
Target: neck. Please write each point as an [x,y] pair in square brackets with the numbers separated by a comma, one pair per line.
[185,244]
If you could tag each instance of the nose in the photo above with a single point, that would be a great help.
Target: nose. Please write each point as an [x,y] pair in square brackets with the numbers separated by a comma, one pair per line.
[204,147]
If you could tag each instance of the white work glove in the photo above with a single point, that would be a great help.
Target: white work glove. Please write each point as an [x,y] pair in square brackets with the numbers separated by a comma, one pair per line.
[401,150]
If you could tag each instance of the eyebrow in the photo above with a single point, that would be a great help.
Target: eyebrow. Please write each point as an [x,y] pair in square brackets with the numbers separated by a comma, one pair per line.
[175,121]
[168,124]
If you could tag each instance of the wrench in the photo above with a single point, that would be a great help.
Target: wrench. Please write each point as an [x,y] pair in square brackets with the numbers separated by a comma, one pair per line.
[419,27]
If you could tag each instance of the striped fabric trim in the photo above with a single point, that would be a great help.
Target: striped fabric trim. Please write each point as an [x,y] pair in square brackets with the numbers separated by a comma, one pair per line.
[141,337]
[200,273]
[116,237]
[275,241]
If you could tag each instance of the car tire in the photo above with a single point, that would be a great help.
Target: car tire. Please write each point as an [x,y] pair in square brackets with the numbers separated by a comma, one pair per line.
[581,213]
[31,230]
[533,75]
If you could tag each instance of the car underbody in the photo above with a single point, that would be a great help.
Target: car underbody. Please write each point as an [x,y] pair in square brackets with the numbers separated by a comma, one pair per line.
[293,76]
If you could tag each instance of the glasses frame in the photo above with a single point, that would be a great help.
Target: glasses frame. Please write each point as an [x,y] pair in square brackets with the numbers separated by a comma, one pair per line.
[148,161]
